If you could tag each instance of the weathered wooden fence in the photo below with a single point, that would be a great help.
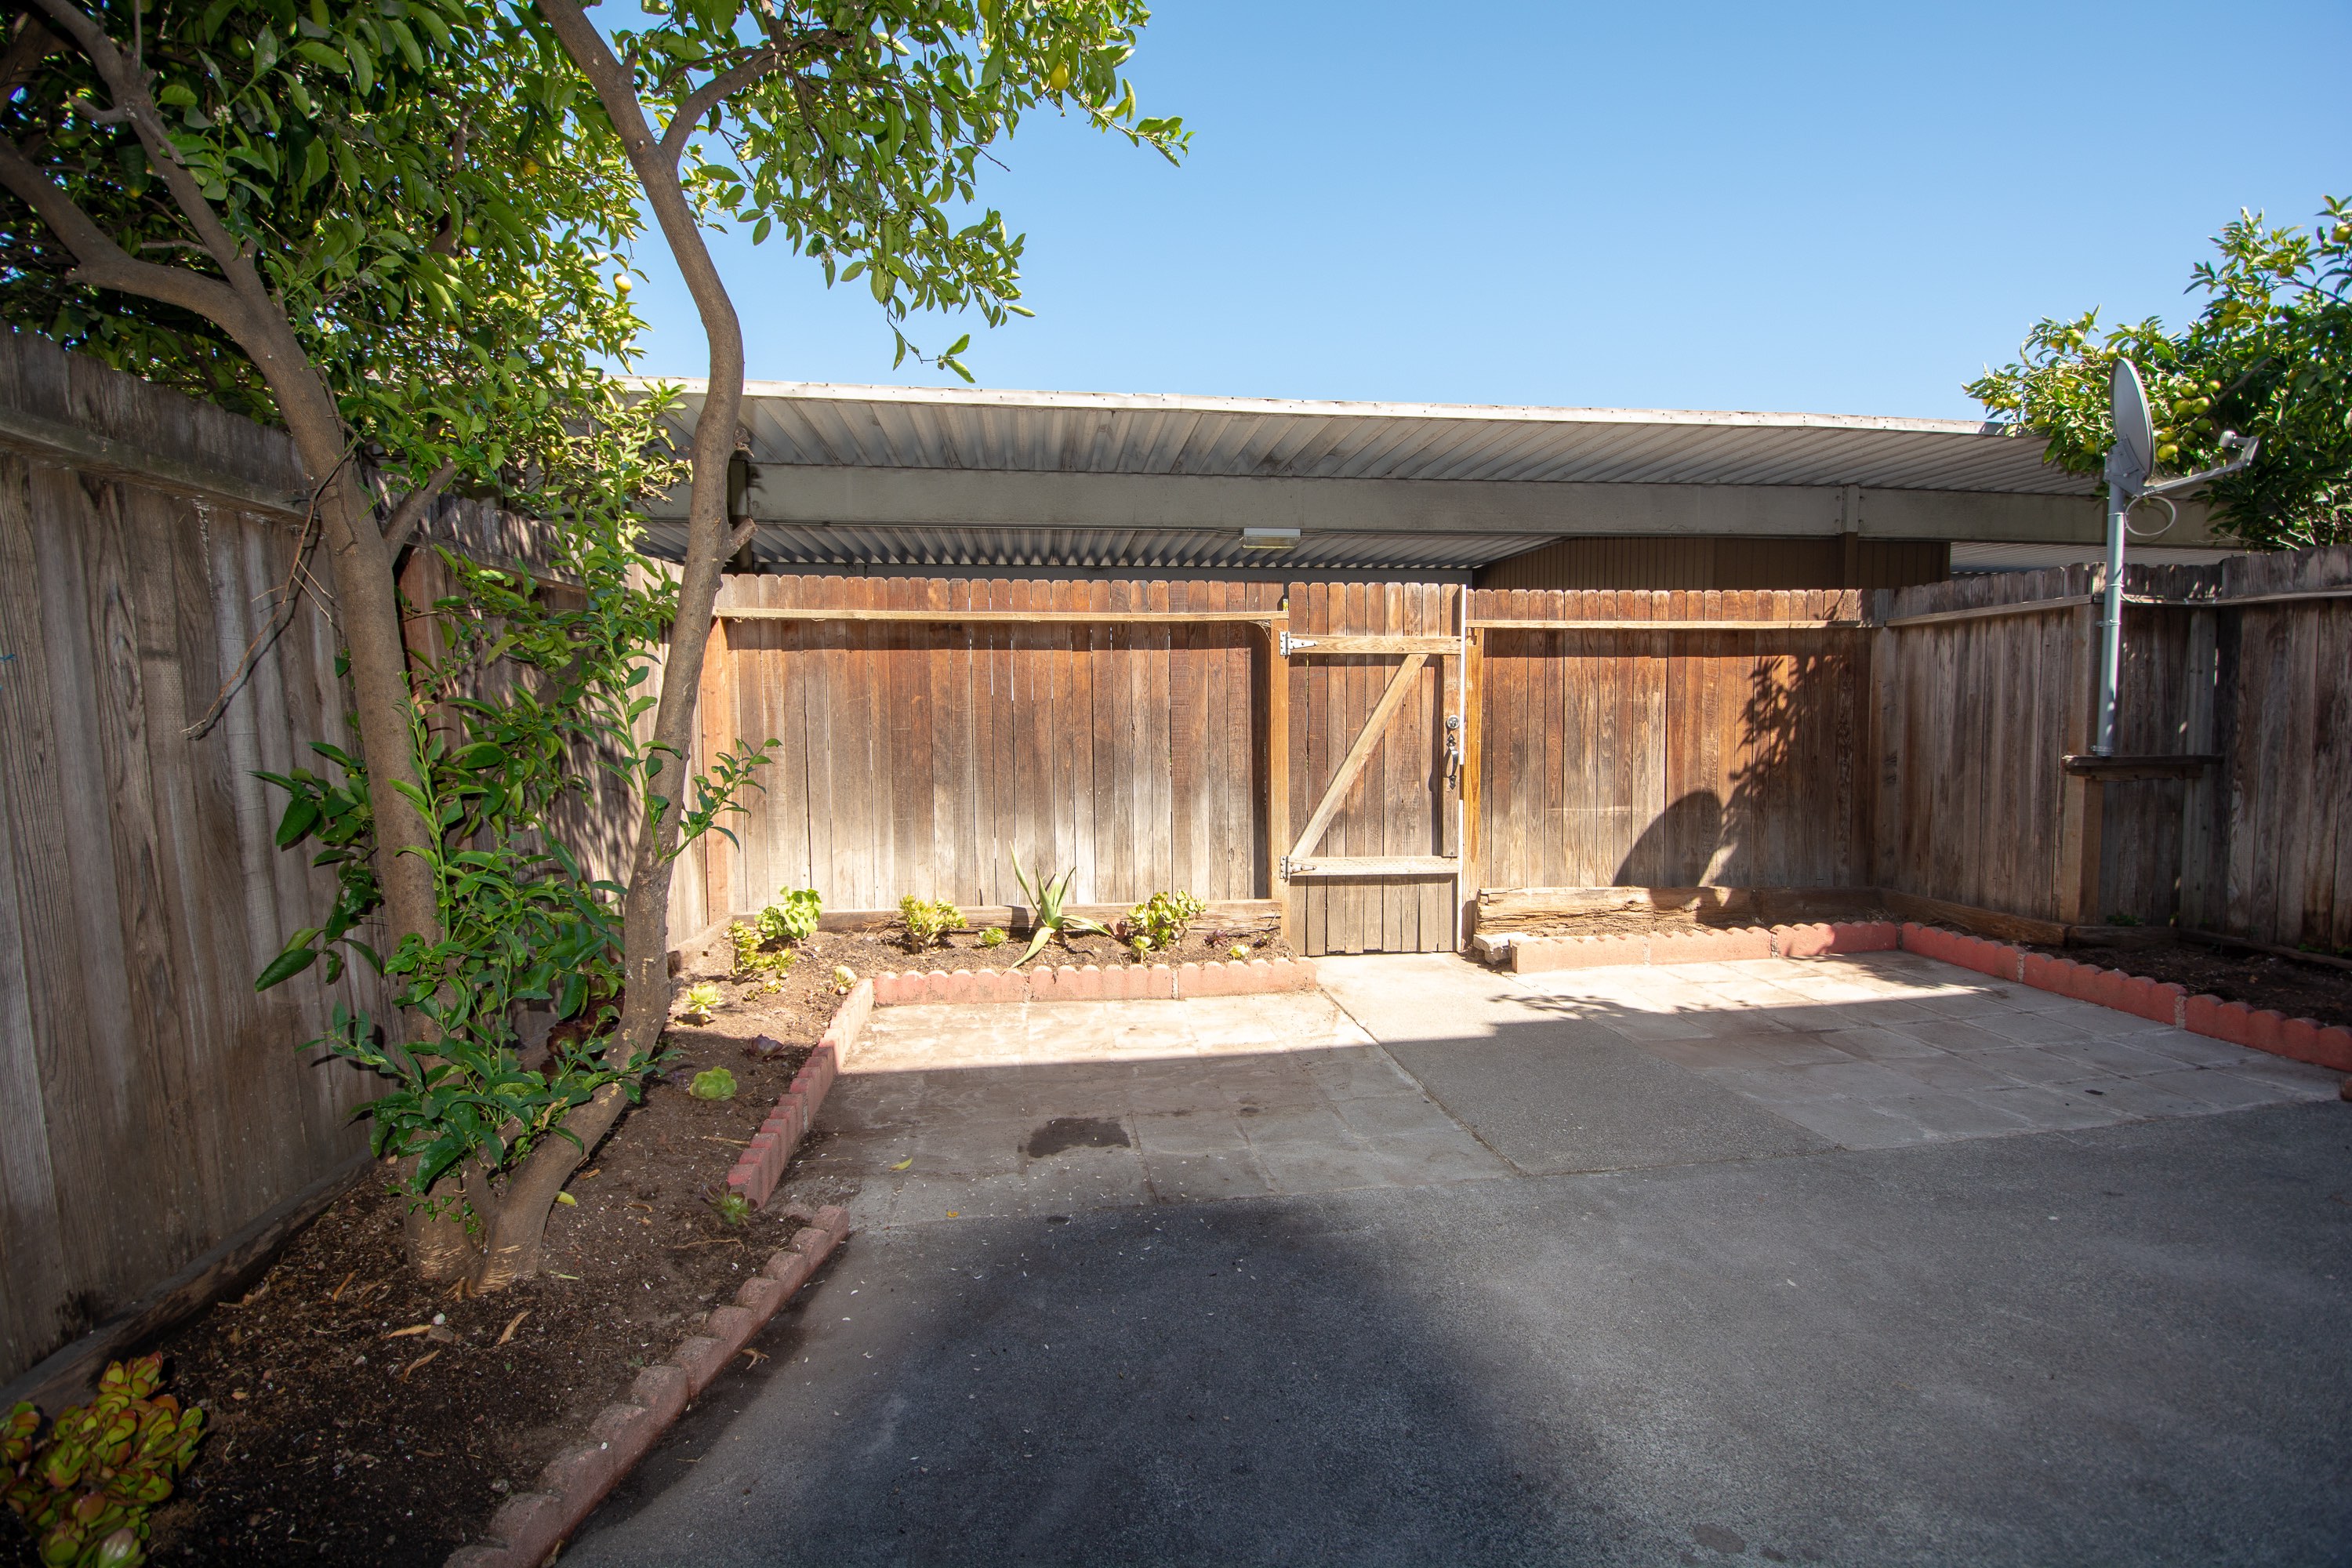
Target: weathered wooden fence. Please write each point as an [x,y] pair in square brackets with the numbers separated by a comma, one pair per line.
[1670,739]
[155,1105]
[931,736]
[2229,809]
[154,1102]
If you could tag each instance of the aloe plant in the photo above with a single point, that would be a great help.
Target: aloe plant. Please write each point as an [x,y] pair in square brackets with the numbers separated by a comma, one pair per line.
[1046,899]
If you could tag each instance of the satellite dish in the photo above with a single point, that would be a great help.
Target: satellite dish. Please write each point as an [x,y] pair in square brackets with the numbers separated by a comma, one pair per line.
[2133,457]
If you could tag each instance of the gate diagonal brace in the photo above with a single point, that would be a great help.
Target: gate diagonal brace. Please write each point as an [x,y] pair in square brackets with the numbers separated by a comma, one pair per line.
[1352,766]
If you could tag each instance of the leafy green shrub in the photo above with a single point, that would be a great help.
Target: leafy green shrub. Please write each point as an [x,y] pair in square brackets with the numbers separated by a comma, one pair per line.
[794,919]
[926,922]
[1046,902]
[753,959]
[993,937]
[1161,920]
[764,945]
[84,1490]
[520,922]
[712,1083]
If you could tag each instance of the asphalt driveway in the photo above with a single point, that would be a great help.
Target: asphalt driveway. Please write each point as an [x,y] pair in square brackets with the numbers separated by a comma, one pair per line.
[2115,1342]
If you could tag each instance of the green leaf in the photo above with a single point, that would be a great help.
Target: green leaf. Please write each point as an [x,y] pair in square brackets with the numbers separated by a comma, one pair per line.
[286,966]
[301,815]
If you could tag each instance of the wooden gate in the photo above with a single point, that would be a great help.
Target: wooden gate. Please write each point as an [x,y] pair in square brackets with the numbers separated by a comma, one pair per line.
[1367,731]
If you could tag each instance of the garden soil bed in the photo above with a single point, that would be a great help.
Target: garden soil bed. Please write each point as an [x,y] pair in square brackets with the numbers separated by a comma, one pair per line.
[869,955]
[2296,989]
[329,1442]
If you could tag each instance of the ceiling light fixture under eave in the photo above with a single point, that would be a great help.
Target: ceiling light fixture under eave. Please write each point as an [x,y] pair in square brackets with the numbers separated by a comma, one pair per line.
[1269,539]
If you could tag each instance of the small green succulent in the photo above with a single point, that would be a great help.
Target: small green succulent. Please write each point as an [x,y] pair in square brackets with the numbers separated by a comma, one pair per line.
[927,922]
[712,1083]
[1162,919]
[85,1487]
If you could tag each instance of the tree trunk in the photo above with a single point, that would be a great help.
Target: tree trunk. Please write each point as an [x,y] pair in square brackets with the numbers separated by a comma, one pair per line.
[521,1220]
[514,1228]
[435,1233]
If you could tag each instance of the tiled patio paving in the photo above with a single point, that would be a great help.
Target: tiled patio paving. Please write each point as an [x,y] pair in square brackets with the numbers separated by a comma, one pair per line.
[1419,1070]
[1880,1049]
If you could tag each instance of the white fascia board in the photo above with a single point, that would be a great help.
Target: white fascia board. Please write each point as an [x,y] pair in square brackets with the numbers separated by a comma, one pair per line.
[812,494]
[691,389]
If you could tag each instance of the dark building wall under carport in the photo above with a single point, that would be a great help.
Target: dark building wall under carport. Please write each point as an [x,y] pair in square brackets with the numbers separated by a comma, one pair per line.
[1722,562]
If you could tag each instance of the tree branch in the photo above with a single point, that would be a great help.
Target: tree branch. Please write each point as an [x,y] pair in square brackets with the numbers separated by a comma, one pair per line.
[100,262]
[411,509]
[127,84]
[709,96]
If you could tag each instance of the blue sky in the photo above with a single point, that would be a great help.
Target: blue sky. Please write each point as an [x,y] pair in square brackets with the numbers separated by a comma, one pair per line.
[1829,208]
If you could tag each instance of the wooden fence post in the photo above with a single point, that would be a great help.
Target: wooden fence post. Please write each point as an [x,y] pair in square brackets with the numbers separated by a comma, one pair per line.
[2080,798]
[1277,772]
[1472,744]
[2197,796]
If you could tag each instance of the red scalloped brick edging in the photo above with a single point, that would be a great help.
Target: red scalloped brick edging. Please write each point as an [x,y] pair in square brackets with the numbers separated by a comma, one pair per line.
[529,1525]
[2301,1039]
[761,1166]
[1092,983]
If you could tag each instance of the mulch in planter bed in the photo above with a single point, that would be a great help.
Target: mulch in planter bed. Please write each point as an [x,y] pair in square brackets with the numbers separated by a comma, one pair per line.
[2296,989]
[872,953]
[329,1442]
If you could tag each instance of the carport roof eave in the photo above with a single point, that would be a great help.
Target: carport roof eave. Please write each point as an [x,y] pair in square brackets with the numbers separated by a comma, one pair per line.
[1163,402]
[819,424]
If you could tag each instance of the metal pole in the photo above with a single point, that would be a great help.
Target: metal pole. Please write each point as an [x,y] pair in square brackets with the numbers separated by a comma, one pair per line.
[2111,627]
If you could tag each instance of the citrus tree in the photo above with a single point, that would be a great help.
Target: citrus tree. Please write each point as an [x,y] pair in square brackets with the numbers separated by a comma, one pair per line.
[854,135]
[2270,355]
[377,225]
[387,229]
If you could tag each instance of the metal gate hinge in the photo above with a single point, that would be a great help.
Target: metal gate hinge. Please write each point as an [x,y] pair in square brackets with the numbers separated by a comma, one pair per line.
[1284,868]
[1290,642]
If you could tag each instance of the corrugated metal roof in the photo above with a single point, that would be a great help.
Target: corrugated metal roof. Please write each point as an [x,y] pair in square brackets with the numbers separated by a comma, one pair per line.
[784,545]
[1102,432]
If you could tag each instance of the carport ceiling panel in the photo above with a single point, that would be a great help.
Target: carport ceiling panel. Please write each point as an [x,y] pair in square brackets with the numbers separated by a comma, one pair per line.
[886,428]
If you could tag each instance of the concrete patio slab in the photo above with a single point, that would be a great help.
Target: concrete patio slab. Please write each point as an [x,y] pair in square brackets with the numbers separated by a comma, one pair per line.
[966,1111]
[1597,1266]
[1878,1050]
